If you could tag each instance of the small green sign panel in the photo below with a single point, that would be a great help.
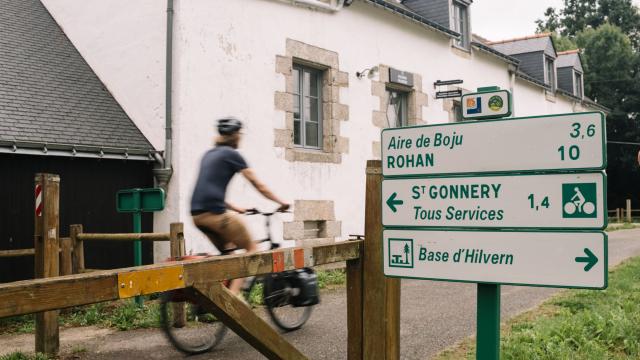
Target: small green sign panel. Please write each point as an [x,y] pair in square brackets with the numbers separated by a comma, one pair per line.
[136,200]
[579,201]
[401,253]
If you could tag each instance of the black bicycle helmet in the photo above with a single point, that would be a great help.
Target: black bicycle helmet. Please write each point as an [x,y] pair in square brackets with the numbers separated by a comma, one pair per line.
[229,125]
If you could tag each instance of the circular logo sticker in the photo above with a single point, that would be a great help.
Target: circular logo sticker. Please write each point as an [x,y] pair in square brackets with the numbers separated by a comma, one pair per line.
[495,103]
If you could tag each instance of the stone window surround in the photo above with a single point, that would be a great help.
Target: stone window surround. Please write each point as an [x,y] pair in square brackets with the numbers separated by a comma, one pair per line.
[416,100]
[321,211]
[333,112]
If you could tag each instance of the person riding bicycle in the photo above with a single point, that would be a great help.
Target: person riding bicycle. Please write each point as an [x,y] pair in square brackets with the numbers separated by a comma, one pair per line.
[209,208]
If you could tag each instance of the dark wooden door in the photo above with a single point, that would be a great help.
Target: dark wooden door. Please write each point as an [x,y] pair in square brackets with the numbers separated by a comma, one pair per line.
[87,196]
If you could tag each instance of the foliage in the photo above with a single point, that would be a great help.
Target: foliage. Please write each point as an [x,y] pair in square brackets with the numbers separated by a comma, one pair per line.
[608,32]
[576,324]
[20,356]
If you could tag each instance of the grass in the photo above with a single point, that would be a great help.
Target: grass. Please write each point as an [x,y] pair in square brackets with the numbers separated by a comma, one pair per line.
[575,324]
[125,314]
[21,356]
[623,226]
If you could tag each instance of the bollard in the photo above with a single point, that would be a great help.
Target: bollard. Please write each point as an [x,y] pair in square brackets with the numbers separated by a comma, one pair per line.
[629,210]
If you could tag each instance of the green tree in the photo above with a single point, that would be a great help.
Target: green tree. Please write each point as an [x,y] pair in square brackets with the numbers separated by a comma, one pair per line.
[406,253]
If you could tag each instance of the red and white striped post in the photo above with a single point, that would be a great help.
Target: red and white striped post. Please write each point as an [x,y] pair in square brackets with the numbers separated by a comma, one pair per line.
[46,244]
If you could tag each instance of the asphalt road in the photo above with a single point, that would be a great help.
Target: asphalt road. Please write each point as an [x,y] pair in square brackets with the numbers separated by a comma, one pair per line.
[434,315]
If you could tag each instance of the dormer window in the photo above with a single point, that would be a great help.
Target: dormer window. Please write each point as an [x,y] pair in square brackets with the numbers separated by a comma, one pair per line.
[578,84]
[550,75]
[461,23]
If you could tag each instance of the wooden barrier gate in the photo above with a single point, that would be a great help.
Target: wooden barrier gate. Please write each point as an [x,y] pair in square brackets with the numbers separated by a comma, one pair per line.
[373,301]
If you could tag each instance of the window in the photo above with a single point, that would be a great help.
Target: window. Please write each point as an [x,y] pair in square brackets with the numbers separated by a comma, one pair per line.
[461,24]
[578,87]
[397,108]
[550,72]
[307,107]
[457,111]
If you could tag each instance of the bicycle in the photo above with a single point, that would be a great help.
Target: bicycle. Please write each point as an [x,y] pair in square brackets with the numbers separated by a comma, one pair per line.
[281,294]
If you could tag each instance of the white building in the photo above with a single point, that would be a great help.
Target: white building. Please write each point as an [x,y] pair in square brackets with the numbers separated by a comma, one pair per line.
[311,80]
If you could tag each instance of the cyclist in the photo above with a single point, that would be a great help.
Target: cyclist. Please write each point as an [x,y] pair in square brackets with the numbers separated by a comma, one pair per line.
[209,209]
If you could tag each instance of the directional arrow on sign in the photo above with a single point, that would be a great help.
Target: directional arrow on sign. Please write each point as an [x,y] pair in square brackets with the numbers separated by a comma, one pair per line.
[392,202]
[590,259]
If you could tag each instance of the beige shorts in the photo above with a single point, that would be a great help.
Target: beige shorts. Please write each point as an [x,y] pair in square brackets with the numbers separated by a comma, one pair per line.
[226,231]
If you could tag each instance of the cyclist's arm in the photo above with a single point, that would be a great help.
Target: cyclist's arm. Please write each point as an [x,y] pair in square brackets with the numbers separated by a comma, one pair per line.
[250,175]
[235,208]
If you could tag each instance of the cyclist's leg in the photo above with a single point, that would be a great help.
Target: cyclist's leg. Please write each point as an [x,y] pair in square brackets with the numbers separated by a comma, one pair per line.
[231,233]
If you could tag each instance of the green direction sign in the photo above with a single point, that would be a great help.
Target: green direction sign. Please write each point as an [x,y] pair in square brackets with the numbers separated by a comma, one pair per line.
[554,259]
[490,102]
[136,200]
[523,201]
[573,141]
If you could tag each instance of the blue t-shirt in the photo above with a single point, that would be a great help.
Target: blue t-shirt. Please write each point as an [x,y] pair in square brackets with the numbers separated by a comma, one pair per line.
[216,170]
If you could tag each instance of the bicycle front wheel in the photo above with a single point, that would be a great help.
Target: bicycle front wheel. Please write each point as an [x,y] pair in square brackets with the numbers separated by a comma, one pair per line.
[277,298]
[200,333]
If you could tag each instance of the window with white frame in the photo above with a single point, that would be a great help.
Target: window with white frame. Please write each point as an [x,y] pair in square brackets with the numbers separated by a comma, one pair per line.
[550,72]
[307,107]
[397,108]
[461,23]
[578,82]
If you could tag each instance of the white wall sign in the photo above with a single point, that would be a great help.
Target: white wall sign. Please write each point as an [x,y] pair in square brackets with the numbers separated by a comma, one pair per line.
[509,201]
[559,259]
[486,104]
[555,142]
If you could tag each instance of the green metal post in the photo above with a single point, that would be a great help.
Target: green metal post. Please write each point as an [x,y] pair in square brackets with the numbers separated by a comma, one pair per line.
[488,327]
[137,247]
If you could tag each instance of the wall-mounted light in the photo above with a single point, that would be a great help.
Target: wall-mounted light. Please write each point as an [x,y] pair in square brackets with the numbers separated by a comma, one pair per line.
[370,72]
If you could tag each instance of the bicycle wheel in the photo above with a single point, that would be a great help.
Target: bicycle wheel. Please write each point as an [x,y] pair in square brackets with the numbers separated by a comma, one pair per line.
[202,331]
[277,298]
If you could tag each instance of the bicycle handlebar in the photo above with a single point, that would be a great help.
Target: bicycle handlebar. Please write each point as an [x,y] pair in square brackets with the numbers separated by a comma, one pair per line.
[254,211]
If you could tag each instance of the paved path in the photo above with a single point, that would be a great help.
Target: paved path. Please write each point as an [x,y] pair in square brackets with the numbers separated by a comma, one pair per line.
[434,315]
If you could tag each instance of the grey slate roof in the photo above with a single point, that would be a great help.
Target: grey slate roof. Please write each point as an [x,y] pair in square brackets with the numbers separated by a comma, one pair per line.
[434,10]
[569,60]
[48,93]
[409,14]
[525,45]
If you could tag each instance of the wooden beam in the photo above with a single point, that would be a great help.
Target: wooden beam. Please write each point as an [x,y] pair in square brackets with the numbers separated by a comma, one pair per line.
[239,317]
[17,252]
[78,248]
[66,256]
[47,262]
[177,250]
[125,237]
[379,314]
[24,297]
[354,308]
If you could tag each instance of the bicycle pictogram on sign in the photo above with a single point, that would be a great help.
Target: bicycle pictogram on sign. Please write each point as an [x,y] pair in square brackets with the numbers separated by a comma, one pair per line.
[579,200]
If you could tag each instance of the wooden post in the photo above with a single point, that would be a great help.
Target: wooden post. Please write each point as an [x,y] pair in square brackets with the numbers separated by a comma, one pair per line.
[78,248]
[177,249]
[629,210]
[47,211]
[618,217]
[66,261]
[354,308]
[381,295]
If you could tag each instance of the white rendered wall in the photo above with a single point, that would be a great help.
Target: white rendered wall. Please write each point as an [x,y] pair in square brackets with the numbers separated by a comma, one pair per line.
[224,64]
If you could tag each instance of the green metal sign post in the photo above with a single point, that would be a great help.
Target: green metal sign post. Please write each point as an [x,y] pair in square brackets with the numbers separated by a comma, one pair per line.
[488,297]
[137,201]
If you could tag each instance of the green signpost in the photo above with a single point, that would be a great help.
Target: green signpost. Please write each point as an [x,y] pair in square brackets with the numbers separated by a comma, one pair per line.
[137,201]
[530,188]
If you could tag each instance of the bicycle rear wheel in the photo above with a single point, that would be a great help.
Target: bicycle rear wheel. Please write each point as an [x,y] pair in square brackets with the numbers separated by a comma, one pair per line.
[277,298]
[202,331]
